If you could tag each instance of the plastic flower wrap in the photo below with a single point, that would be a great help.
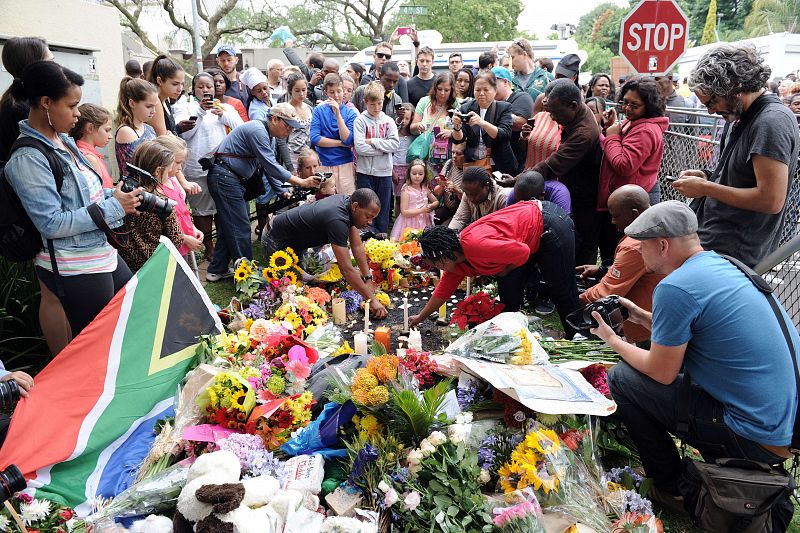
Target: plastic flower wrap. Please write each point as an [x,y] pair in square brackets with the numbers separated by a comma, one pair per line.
[560,479]
[503,339]
[228,401]
[276,425]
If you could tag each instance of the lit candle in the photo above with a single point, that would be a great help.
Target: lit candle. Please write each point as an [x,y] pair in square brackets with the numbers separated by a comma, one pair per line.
[415,340]
[360,342]
[339,313]
[469,285]
[405,312]
[383,335]
[366,316]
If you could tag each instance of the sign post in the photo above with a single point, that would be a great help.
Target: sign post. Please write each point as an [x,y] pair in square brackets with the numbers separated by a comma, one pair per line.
[654,36]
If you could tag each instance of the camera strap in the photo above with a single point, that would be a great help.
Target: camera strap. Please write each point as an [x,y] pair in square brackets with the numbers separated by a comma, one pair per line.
[117,239]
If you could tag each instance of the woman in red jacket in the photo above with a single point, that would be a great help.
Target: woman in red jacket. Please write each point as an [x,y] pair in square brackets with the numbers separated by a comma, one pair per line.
[632,151]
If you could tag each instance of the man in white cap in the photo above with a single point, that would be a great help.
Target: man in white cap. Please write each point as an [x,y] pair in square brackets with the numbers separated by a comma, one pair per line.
[245,150]
[711,322]
[226,61]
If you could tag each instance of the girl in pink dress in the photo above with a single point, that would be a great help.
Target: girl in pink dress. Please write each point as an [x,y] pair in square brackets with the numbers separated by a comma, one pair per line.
[417,202]
[171,188]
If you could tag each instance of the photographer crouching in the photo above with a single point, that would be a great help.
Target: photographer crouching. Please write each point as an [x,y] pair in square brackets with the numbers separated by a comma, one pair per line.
[710,321]
[238,164]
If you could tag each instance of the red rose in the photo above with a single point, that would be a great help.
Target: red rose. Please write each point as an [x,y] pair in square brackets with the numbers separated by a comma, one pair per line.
[66,514]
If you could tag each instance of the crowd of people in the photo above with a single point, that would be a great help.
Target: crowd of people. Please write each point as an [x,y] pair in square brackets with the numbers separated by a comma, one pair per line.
[509,167]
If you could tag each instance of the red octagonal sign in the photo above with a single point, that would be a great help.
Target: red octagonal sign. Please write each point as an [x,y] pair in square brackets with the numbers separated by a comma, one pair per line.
[653,36]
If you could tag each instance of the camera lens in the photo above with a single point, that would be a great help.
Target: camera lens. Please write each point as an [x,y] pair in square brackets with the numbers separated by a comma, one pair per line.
[154,204]
[9,395]
[11,482]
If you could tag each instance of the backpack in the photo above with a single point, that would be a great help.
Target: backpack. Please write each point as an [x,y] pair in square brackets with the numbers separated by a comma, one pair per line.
[19,239]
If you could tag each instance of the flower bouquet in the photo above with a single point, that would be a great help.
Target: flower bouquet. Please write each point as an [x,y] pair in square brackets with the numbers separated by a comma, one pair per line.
[303,313]
[475,309]
[519,518]
[228,401]
[275,421]
[502,339]
[283,264]
[37,515]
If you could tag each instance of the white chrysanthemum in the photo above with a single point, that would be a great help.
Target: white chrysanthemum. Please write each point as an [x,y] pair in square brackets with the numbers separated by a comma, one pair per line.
[4,522]
[34,511]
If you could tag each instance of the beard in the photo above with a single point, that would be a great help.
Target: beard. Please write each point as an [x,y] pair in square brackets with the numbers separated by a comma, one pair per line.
[735,109]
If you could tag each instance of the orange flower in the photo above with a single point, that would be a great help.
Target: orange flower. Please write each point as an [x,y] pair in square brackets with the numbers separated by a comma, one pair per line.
[384,367]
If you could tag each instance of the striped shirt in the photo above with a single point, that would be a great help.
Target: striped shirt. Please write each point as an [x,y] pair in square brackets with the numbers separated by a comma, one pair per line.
[544,139]
[98,260]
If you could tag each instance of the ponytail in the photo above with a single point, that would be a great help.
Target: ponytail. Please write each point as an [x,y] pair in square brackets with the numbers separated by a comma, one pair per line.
[164,67]
[135,89]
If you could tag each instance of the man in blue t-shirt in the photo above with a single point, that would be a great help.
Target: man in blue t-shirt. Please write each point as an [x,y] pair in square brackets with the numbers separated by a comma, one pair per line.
[711,322]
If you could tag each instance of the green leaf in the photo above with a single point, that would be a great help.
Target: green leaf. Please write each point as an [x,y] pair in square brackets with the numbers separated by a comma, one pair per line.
[644,488]
[442,501]
[452,510]
[438,487]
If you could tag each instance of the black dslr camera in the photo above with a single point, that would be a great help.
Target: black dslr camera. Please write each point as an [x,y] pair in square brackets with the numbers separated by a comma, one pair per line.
[324,176]
[611,310]
[151,203]
[11,482]
[9,396]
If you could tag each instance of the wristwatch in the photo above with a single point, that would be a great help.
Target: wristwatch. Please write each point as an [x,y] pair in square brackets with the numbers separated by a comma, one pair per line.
[365,278]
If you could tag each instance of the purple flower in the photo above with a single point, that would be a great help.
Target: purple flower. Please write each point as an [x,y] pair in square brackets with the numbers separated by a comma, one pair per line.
[352,301]
[616,476]
[471,393]
[367,454]
[264,463]
[242,445]
[632,502]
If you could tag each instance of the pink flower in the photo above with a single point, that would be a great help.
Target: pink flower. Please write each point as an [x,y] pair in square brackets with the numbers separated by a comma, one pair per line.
[390,498]
[259,330]
[24,497]
[299,370]
[412,500]
[298,353]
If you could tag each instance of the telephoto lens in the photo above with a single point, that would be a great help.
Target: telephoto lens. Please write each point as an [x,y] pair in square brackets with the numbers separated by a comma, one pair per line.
[9,396]
[11,482]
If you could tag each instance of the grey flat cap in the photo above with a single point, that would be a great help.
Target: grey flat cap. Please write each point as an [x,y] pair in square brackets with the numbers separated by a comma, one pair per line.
[666,219]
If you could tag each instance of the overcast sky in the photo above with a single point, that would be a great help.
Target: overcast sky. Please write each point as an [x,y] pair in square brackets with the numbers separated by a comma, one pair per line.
[539,15]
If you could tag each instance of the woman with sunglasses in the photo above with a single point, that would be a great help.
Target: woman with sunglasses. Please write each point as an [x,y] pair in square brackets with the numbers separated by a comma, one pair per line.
[632,150]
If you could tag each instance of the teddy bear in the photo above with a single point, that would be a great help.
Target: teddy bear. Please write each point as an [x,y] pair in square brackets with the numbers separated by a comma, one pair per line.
[214,500]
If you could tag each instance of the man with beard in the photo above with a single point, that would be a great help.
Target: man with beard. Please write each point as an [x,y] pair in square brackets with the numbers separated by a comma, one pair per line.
[741,204]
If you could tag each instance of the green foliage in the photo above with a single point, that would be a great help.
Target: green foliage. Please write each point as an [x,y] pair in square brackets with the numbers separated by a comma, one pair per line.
[469,20]
[733,16]
[772,16]
[709,36]
[412,417]
[22,346]
[389,451]
[599,59]
[451,499]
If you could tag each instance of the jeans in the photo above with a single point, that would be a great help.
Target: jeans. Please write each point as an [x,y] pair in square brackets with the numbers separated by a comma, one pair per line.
[85,295]
[382,185]
[233,231]
[556,262]
[650,412]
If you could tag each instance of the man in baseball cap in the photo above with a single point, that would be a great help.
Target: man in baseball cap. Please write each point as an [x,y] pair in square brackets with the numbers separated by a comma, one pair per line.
[227,59]
[710,322]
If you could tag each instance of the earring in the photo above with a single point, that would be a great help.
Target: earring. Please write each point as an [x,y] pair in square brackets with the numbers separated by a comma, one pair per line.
[48,117]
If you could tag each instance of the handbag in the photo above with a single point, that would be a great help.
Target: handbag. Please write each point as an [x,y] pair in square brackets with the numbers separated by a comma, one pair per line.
[420,147]
[739,494]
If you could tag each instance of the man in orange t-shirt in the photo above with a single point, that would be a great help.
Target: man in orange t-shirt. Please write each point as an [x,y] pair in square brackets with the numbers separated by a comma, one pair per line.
[627,276]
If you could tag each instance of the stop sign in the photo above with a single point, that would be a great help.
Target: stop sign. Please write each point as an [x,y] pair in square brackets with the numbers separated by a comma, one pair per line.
[653,36]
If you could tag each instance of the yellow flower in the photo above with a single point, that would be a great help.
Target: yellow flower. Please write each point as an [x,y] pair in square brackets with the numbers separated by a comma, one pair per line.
[343,349]
[383,367]
[361,396]
[237,400]
[378,396]
[280,261]
[383,299]
[240,274]
[544,441]
[506,473]
[293,255]
[370,425]
[333,275]
[292,277]
[364,380]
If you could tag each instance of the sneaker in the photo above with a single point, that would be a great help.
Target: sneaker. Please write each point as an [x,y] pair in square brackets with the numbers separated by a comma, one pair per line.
[210,276]
[544,307]
[671,503]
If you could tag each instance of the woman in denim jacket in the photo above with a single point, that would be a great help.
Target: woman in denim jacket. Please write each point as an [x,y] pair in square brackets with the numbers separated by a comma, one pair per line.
[89,269]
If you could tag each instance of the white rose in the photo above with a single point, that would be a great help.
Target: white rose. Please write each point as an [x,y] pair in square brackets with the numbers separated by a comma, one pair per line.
[458,433]
[464,418]
[437,438]
[485,476]
[415,457]
[426,448]
[384,487]
[391,497]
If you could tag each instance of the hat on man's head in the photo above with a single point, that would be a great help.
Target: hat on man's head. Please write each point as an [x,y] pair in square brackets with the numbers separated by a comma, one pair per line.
[502,73]
[227,49]
[569,66]
[666,219]
[287,113]
[252,77]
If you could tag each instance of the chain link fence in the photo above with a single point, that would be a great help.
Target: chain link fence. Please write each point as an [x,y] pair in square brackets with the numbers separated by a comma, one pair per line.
[696,146]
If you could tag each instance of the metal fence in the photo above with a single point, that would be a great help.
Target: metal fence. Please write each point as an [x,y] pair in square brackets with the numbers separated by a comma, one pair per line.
[696,146]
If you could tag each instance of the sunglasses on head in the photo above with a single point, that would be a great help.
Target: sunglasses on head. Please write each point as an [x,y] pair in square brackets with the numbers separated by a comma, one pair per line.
[381,55]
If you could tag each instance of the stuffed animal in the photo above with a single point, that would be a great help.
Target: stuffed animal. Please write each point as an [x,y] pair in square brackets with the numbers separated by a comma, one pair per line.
[215,501]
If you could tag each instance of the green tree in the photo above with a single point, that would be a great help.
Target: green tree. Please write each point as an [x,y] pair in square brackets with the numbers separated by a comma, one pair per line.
[772,16]
[599,59]
[733,14]
[711,24]
[470,20]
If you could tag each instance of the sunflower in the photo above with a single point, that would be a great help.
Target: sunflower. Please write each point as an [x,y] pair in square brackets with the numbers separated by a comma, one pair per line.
[240,274]
[237,400]
[291,276]
[293,255]
[268,274]
[280,261]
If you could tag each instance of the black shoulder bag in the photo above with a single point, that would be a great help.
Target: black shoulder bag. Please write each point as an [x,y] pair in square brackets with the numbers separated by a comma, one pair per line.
[738,494]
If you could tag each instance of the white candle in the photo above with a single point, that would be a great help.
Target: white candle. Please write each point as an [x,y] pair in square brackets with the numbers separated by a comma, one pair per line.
[415,340]
[366,316]
[469,285]
[405,313]
[360,341]
[339,314]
